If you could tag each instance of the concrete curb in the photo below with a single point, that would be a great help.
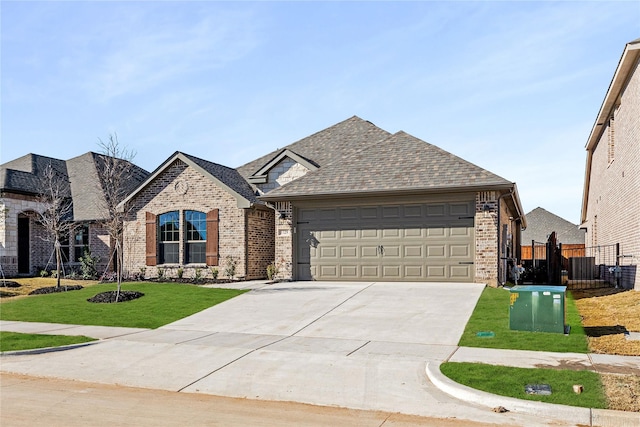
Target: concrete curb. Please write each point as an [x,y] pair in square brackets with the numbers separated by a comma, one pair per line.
[47,349]
[570,414]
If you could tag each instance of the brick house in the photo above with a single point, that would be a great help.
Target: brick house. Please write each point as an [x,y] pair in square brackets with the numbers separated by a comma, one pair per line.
[25,248]
[610,211]
[195,215]
[355,202]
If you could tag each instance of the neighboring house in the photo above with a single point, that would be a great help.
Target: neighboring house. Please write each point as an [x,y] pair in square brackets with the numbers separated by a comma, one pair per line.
[355,202]
[541,223]
[24,246]
[197,216]
[611,194]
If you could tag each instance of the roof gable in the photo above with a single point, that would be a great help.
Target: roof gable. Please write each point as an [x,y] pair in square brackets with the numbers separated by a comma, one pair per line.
[260,176]
[227,178]
[541,223]
[400,162]
[326,146]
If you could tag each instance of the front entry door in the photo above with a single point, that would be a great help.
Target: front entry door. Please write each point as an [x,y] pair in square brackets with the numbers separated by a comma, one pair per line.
[23,245]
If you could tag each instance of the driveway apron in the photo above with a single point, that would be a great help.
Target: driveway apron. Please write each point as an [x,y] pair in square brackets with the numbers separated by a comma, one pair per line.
[357,345]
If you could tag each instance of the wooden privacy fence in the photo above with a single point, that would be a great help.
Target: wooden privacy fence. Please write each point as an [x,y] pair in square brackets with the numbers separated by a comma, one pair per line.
[540,251]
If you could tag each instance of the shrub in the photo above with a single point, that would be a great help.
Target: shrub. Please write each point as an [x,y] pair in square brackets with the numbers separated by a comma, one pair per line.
[160,273]
[272,271]
[214,273]
[180,272]
[88,264]
[231,264]
[44,273]
[198,274]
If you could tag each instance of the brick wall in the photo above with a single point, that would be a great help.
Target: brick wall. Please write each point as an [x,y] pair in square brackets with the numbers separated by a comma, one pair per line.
[284,240]
[260,242]
[614,188]
[486,232]
[182,188]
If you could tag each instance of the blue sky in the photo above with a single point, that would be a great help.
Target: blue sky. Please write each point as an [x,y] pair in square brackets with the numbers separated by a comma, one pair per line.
[513,87]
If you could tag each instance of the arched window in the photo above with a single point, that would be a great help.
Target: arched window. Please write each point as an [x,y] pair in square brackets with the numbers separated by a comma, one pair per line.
[169,237]
[196,236]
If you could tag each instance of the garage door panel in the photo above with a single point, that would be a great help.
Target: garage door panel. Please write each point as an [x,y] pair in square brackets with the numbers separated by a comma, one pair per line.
[349,271]
[436,251]
[369,252]
[423,242]
[436,271]
[413,251]
[349,251]
[369,271]
[373,233]
[413,271]
[457,251]
[391,271]
[435,232]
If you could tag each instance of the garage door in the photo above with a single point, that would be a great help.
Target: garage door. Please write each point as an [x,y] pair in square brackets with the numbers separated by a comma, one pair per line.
[409,242]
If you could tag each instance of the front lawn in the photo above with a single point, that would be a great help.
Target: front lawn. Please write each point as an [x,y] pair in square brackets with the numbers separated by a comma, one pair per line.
[492,315]
[511,382]
[13,341]
[162,303]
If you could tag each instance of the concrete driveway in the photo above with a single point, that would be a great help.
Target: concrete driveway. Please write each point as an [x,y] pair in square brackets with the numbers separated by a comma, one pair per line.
[356,345]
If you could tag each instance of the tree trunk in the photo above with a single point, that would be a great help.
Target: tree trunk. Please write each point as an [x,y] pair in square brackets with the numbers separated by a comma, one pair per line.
[58,262]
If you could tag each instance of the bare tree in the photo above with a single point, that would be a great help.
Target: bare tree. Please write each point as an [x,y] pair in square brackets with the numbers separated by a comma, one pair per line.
[57,215]
[115,169]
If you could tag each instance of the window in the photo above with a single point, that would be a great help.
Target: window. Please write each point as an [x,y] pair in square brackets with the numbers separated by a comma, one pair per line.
[196,236]
[64,247]
[80,242]
[169,237]
[195,243]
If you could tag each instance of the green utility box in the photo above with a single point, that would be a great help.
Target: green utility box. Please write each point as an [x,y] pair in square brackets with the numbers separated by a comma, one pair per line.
[537,308]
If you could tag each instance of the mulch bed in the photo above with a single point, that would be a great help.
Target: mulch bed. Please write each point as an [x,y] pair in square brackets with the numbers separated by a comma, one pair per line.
[9,284]
[110,296]
[54,289]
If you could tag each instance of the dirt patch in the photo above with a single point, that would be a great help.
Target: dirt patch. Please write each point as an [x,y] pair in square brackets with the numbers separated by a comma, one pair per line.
[606,315]
[30,284]
[623,391]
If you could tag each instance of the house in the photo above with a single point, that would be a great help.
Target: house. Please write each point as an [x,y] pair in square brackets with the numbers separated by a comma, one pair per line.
[196,217]
[24,246]
[610,213]
[355,202]
[540,224]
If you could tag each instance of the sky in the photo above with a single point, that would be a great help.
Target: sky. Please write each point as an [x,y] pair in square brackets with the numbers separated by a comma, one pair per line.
[511,86]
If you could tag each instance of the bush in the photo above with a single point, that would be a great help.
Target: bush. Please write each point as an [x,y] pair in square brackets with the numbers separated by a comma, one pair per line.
[214,273]
[197,275]
[231,264]
[160,273]
[180,272]
[44,273]
[272,271]
[88,264]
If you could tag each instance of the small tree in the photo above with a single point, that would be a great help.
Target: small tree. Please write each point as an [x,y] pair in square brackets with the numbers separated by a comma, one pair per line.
[57,215]
[115,169]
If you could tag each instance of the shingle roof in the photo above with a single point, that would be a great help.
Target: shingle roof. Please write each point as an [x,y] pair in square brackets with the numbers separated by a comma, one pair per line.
[23,175]
[327,146]
[228,176]
[400,162]
[224,176]
[541,223]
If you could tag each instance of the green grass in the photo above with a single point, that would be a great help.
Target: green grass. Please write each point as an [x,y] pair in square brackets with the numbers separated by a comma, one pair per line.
[492,314]
[14,341]
[511,382]
[162,303]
